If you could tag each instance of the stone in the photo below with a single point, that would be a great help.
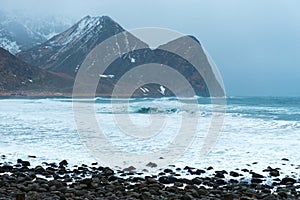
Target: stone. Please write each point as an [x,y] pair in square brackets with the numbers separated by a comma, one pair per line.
[245,170]
[256,180]
[255,175]
[168,170]
[234,174]
[197,181]
[129,169]
[288,181]
[219,175]
[63,163]
[167,179]
[107,171]
[274,173]
[30,156]
[20,196]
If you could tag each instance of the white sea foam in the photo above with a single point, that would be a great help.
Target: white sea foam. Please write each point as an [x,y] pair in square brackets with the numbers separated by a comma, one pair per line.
[46,128]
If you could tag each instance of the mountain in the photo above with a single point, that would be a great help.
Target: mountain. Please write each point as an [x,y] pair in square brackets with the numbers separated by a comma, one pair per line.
[155,58]
[18,77]
[19,32]
[65,53]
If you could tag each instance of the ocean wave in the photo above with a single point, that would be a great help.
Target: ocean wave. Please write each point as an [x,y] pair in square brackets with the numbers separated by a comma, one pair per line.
[153,110]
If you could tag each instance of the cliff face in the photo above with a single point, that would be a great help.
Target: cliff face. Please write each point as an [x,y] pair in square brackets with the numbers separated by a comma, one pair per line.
[63,54]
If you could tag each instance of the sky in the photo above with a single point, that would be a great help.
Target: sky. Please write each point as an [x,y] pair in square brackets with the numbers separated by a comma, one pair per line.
[254,43]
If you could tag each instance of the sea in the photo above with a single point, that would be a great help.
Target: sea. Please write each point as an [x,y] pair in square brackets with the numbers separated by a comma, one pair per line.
[254,132]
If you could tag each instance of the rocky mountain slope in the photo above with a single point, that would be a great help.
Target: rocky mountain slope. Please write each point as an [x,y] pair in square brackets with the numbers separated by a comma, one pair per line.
[65,52]
[18,77]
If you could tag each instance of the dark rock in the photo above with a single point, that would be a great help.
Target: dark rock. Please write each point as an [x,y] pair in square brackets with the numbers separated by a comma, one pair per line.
[221,172]
[167,179]
[256,180]
[168,170]
[39,169]
[63,163]
[107,171]
[112,178]
[187,197]
[178,184]
[86,181]
[228,197]
[277,179]
[129,169]
[203,192]
[245,170]
[288,181]
[152,165]
[268,169]
[233,181]
[161,173]
[220,182]
[31,156]
[219,175]
[197,181]
[150,180]
[255,175]
[7,168]
[234,174]
[172,189]
[188,168]
[274,173]
[18,165]
[283,194]
[146,196]
[20,196]
[53,165]
[185,181]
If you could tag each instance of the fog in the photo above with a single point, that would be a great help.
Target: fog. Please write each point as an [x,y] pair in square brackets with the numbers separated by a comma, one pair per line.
[255,44]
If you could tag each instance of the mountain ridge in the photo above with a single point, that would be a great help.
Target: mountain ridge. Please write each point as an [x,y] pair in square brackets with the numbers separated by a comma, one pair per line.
[64,53]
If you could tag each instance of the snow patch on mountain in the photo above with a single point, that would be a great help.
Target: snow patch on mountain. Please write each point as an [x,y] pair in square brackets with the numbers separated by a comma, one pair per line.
[80,29]
[7,43]
[19,32]
[11,46]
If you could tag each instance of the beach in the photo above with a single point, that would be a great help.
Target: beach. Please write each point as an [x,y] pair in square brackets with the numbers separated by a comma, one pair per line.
[59,181]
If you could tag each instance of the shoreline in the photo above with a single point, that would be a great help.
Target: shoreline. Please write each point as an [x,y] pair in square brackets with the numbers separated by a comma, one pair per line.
[20,181]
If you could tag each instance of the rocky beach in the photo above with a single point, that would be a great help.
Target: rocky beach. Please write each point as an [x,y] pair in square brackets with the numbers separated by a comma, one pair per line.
[21,180]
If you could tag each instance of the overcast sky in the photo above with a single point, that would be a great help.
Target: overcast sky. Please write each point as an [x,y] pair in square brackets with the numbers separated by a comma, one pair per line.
[255,43]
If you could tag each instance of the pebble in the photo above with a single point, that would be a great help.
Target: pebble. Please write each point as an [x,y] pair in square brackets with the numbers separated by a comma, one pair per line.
[84,182]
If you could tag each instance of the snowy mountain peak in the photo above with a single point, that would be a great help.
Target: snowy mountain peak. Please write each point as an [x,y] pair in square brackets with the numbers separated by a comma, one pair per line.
[84,30]
[19,32]
[65,51]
